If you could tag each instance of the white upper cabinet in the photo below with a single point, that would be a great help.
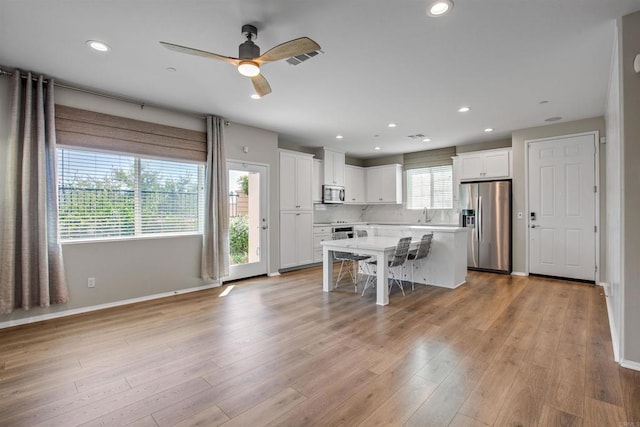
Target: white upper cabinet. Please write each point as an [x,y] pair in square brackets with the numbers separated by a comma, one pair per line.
[318,175]
[488,164]
[354,184]
[333,167]
[296,176]
[384,184]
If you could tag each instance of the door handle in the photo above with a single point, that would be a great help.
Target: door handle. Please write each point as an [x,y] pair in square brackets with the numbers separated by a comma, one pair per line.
[264,227]
[534,226]
[479,222]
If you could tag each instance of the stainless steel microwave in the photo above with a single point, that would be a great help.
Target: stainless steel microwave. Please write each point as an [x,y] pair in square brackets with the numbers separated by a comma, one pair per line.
[332,194]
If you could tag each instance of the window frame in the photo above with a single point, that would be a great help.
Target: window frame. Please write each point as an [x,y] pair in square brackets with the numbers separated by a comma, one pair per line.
[138,219]
[408,172]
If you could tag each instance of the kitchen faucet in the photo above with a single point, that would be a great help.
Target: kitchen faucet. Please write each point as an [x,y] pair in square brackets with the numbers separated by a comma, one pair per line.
[425,212]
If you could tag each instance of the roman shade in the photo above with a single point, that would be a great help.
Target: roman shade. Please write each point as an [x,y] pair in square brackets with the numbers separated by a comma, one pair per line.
[429,158]
[88,129]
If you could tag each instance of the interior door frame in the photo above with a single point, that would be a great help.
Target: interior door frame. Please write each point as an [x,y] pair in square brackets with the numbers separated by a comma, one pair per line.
[596,141]
[267,208]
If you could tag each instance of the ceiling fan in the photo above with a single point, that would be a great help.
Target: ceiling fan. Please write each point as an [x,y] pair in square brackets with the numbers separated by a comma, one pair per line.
[249,59]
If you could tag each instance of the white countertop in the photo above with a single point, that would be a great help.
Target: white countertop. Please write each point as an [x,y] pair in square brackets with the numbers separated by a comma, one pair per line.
[449,228]
[365,243]
[383,223]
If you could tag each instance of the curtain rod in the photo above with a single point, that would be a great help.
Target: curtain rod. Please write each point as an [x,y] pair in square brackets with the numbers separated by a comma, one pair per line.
[6,73]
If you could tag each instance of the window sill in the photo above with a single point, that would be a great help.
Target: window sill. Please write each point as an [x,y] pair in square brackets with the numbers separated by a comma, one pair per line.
[128,239]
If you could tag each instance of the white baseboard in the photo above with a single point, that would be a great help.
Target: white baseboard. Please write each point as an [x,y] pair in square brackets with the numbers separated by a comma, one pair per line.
[630,364]
[519,273]
[48,316]
[274,274]
[615,340]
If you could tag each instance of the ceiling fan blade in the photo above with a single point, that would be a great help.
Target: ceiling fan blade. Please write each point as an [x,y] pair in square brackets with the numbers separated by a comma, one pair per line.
[289,49]
[261,85]
[198,52]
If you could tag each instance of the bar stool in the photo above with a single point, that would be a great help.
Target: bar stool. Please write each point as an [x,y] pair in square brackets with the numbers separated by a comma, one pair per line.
[397,261]
[418,255]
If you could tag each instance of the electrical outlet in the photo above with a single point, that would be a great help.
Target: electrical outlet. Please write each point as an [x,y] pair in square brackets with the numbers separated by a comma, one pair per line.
[91,282]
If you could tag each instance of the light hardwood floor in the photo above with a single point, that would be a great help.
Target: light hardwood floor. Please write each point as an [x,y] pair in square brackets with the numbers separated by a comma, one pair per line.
[499,350]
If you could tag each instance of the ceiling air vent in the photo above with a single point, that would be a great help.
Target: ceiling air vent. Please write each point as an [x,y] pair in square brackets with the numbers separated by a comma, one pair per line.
[416,136]
[295,60]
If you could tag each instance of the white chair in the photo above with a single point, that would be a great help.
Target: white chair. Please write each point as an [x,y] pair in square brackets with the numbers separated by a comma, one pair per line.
[418,255]
[396,262]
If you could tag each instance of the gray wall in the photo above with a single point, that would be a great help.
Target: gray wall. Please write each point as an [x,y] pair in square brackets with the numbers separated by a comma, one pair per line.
[396,159]
[631,185]
[479,146]
[127,269]
[294,147]
[518,143]
[263,149]
[613,280]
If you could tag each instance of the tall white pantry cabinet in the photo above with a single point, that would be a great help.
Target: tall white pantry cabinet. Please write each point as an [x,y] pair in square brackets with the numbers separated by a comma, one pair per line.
[296,209]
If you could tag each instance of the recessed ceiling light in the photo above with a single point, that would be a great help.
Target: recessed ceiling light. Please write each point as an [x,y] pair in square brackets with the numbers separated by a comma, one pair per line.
[255,96]
[99,46]
[339,136]
[463,109]
[553,119]
[488,130]
[376,148]
[426,139]
[439,7]
[171,69]
[392,125]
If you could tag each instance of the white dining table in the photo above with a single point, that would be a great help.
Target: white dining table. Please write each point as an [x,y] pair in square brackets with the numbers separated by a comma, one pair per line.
[376,246]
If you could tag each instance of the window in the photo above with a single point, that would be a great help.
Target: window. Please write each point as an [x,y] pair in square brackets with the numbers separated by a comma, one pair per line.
[430,187]
[104,195]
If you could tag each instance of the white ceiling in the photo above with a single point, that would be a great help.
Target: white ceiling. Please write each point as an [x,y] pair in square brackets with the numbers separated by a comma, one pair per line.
[384,61]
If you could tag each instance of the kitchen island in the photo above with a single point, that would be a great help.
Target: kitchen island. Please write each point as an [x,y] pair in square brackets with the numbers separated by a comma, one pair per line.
[446,264]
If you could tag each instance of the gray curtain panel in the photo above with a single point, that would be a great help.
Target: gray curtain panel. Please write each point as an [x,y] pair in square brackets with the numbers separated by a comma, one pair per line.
[215,242]
[31,260]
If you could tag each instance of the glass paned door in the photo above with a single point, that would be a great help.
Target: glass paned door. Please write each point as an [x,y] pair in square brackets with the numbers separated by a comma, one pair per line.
[248,223]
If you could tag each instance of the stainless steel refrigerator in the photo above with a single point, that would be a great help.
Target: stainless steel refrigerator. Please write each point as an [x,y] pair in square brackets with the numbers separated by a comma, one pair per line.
[485,208]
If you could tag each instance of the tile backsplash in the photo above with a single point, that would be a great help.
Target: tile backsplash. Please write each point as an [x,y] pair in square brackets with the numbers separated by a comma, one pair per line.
[381,213]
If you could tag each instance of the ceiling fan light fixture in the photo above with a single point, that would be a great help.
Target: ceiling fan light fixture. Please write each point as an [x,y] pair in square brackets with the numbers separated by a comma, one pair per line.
[439,7]
[248,68]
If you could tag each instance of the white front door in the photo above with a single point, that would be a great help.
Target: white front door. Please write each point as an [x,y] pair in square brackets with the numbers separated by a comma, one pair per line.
[248,223]
[562,207]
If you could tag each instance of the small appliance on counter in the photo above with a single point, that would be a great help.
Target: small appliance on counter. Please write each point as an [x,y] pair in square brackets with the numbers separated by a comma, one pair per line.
[332,194]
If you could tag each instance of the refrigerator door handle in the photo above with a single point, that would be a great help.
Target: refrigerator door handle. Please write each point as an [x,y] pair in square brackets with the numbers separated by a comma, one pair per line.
[479,224]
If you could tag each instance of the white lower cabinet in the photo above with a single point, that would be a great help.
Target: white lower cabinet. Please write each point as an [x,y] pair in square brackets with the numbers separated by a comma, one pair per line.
[320,234]
[296,239]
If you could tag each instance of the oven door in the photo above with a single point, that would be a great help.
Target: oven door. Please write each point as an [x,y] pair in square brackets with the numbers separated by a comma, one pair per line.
[346,228]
